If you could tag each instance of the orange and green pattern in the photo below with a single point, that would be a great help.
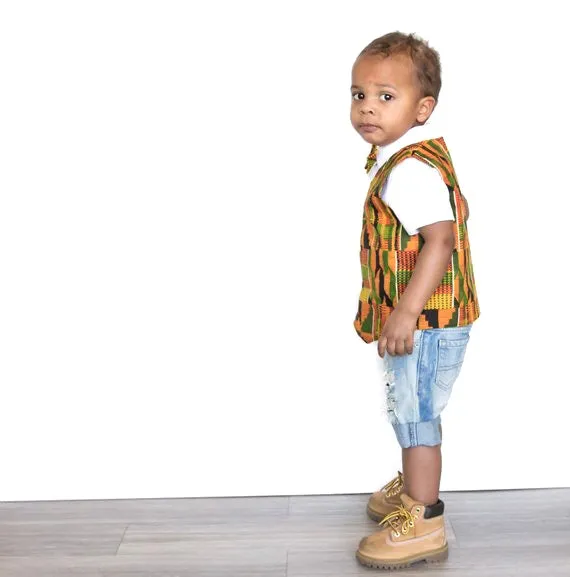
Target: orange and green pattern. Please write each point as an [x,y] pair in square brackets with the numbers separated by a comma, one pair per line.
[388,254]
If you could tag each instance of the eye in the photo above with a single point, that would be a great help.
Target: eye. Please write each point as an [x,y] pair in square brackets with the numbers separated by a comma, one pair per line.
[357,94]
[386,97]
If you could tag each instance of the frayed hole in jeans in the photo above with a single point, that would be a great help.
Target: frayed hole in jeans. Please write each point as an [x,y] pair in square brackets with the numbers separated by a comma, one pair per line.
[390,395]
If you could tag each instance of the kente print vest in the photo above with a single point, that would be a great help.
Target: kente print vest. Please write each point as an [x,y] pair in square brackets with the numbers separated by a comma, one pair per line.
[388,254]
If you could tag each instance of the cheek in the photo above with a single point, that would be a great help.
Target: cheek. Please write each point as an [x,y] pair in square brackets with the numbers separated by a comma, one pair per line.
[402,113]
[353,114]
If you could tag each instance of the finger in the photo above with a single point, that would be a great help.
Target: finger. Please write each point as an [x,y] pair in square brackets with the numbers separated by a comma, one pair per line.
[391,346]
[400,346]
[410,344]
[382,346]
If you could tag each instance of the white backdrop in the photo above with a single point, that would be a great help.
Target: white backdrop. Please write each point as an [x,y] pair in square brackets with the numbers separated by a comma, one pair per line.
[181,195]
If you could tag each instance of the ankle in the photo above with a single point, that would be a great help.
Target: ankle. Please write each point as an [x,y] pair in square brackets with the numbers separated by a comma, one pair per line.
[427,500]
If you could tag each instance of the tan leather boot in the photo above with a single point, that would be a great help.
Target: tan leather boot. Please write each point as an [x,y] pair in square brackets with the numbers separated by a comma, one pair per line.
[386,500]
[411,534]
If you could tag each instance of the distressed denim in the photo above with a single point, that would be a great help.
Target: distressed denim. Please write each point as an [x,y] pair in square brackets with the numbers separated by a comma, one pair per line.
[418,386]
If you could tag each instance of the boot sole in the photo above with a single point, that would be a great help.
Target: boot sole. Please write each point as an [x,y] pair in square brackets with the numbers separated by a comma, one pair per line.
[433,557]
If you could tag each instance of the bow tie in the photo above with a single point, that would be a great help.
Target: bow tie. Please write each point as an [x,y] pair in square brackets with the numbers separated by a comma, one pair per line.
[371,158]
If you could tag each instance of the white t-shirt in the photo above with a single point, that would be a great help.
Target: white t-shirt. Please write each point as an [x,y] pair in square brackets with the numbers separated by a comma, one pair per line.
[414,190]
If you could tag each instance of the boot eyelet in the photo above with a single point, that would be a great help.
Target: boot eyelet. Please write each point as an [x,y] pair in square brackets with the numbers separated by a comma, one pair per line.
[418,509]
[395,534]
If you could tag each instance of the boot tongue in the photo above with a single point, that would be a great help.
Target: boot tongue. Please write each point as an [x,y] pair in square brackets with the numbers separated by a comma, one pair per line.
[407,501]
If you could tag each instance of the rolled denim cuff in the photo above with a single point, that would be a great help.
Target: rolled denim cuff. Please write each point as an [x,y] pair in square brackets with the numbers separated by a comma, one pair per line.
[427,433]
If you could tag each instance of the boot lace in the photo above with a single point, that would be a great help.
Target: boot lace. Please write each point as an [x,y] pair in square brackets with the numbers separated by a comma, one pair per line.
[401,520]
[394,486]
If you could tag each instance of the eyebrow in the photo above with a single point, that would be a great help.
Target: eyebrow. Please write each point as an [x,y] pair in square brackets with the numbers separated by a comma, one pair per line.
[375,84]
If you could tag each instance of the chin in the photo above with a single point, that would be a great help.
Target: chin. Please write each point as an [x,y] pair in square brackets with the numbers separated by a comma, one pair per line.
[372,140]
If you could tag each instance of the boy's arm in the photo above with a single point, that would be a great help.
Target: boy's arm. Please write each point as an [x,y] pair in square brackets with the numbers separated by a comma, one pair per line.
[398,333]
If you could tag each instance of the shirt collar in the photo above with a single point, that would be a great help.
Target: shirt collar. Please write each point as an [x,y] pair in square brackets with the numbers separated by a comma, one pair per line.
[415,134]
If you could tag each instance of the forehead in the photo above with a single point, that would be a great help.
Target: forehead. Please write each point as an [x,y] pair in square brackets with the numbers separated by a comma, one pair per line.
[397,71]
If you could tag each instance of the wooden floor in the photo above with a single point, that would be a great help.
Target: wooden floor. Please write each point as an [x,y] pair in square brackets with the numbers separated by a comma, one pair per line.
[514,533]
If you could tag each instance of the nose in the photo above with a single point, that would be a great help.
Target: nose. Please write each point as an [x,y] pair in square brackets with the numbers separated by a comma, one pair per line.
[366,107]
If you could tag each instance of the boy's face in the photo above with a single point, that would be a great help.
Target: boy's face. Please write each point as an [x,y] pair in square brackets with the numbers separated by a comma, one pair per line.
[386,98]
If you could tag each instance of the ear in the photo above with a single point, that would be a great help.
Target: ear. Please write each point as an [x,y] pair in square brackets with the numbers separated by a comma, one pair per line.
[425,108]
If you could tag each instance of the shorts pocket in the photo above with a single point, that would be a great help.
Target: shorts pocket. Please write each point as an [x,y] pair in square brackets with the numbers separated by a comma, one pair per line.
[450,355]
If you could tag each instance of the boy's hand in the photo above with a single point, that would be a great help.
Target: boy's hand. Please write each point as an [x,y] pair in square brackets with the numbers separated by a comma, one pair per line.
[398,334]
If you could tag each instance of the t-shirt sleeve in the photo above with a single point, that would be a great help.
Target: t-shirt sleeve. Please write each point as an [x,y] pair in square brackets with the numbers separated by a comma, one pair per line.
[417,195]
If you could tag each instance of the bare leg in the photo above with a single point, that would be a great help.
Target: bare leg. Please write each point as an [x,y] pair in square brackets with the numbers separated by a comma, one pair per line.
[422,473]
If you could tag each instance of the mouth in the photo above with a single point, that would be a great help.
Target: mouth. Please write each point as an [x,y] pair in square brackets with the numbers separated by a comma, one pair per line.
[369,127]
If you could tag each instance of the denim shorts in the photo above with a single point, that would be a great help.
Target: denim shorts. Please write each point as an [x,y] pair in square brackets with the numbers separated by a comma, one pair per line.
[418,385]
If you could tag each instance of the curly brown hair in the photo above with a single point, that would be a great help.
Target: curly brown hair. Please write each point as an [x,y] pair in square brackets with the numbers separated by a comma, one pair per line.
[425,59]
